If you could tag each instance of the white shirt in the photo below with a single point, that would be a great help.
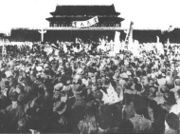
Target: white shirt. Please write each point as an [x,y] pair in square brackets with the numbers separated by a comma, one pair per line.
[176,108]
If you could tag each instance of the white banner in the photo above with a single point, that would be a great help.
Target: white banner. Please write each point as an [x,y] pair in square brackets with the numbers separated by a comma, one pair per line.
[86,23]
[4,52]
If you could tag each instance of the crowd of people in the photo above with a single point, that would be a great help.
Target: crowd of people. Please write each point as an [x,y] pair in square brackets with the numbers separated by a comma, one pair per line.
[49,88]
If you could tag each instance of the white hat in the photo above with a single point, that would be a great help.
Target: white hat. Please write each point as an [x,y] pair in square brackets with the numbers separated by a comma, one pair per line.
[124,75]
[51,58]
[39,68]
[76,77]
[128,73]
[153,76]
[79,71]
[161,81]
[8,74]
[58,86]
[46,65]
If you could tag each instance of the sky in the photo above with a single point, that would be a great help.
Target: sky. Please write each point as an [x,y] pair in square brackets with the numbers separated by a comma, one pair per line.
[146,14]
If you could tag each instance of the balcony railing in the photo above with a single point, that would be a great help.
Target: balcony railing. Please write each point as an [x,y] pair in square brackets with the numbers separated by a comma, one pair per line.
[96,25]
[85,28]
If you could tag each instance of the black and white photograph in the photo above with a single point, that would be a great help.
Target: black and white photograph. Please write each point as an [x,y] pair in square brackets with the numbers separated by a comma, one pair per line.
[90,66]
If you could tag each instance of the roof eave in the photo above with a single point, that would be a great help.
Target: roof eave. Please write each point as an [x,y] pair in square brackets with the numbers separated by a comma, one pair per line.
[52,13]
[117,13]
[122,19]
[49,19]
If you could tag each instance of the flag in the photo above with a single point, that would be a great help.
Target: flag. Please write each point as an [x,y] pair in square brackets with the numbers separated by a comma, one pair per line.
[140,123]
[111,97]
[34,131]
[48,50]
[117,45]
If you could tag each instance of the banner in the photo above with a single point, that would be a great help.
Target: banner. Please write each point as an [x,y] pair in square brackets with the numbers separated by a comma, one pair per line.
[86,23]
[134,47]
[4,52]
[117,42]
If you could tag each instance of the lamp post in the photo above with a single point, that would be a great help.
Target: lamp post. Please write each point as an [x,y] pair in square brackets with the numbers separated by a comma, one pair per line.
[42,32]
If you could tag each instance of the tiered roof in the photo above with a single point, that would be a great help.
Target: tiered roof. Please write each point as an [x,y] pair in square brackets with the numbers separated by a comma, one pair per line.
[84,11]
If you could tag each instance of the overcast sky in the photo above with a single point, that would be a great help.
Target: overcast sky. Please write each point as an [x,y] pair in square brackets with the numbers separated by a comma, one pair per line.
[146,14]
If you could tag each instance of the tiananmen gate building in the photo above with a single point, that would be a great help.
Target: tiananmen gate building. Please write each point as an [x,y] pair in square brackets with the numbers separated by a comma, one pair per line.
[68,22]
[85,22]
